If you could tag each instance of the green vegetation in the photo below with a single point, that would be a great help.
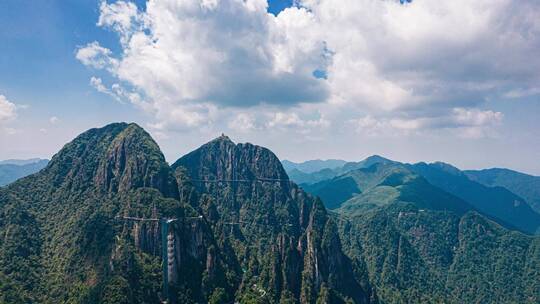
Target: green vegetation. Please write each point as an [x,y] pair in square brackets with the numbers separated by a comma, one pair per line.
[382,184]
[335,191]
[440,257]
[243,232]
[10,172]
[524,185]
[498,203]
[311,172]
[429,184]
[282,240]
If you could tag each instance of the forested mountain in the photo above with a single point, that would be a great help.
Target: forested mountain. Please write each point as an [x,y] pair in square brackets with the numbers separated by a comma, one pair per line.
[524,185]
[109,221]
[86,229]
[417,255]
[307,177]
[61,240]
[497,202]
[11,170]
[382,184]
[310,178]
[494,200]
[280,237]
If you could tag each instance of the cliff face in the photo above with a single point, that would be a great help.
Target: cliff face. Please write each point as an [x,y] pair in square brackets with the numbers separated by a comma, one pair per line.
[237,228]
[95,225]
[281,238]
[82,248]
[133,160]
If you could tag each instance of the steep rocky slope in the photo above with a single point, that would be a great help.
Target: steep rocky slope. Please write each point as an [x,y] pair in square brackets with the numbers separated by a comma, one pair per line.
[284,242]
[63,240]
[109,221]
[429,256]
[89,229]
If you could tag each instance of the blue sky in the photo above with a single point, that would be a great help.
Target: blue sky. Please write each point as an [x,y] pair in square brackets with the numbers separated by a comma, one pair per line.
[457,82]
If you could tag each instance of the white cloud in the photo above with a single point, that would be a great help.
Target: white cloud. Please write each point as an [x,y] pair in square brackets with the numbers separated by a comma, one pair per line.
[475,117]
[453,53]
[286,120]
[10,131]
[97,83]
[520,93]
[121,16]
[8,113]
[427,64]
[243,122]
[190,56]
[119,93]
[96,56]
[469,123]
[8,110]
[54,120]
[293,121]
[369,126]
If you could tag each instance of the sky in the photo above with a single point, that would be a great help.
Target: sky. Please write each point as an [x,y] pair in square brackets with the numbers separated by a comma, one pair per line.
[454,81]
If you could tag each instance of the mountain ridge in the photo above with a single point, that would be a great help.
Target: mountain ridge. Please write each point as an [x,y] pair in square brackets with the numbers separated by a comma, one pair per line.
[10,172]
[495,202]
[311,166]
[283,213]
[525,185]
[109,221]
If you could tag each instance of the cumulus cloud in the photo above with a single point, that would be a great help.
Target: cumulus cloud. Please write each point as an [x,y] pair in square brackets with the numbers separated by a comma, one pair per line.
[426,64]
[243,122]
[121,16]
[8,113]
[427,53]
[186,56]
[292,121]
[54,120]
[465,122]
[96,56]
[8,110]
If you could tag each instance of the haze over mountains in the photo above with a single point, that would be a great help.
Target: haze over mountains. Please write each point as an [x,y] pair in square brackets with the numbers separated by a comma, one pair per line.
[13,169]
[109,221]
[524,185]
[483,190]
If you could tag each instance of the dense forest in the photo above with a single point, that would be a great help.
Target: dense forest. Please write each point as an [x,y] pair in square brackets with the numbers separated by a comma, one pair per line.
[108,220]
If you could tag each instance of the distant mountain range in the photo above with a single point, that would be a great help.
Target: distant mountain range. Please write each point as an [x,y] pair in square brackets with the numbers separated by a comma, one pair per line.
[326,172]
[20,162]
[13,169]
[108,220]
[524,185]
[509,197]
[311,166]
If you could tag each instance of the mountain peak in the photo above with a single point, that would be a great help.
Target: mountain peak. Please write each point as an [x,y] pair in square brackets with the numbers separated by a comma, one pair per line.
[221,158]
[116,157]
[374,159]
[222,138]
[447,168]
